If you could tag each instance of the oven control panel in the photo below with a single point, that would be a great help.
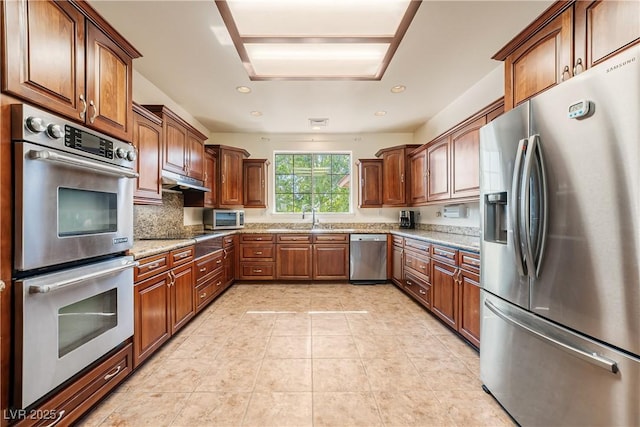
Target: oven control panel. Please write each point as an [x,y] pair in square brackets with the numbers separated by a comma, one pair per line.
[42,128]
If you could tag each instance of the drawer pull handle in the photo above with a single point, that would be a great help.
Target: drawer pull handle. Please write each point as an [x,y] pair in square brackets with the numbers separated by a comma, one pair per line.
[113,374]
[203,296]
[442,253]
[203,269]
[258,252]
[258,238]
[423,267]
[219,261]
[57,420]
[153,265]
[422,292]
[409,282]
[219,283]
[409,262]
[257,271]
[183,254]
[471,261]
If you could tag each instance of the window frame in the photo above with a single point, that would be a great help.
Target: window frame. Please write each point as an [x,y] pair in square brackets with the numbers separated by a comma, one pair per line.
[301,152]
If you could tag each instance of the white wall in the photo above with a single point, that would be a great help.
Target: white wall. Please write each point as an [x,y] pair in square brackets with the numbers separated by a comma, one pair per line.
[362,146]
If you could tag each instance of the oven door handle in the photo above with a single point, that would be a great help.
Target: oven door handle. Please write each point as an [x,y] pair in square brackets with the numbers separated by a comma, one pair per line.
[43,289]
[52,156]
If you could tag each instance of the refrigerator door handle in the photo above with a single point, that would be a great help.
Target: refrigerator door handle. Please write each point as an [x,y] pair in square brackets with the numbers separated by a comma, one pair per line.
[514,205]
[593,358]
[544,198]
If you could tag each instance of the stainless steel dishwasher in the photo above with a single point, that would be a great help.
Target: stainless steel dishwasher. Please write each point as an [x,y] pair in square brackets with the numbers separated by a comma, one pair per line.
[368,259]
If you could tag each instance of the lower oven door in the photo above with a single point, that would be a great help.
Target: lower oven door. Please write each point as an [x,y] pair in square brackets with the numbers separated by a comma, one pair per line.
[69,207]
[67,320]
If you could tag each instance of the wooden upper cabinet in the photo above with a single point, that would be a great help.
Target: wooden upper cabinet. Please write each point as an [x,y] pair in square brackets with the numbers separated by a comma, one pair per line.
[45,63]
[370,194]
[465,160]
[568,38]
[603,29]
[438,170]
[419,182]
[210,163]
[229,175]
[195,155]
[543,61]
[254,182]
[147,140]
[395,178]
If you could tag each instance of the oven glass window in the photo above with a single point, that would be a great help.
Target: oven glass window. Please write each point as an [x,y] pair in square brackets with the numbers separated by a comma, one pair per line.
[225,219]
[84,320]
[82,212]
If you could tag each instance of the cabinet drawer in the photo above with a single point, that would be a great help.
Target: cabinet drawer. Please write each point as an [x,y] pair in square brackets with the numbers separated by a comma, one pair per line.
[331,238]
[397,240]
[417,245]
[256,270]
[469,261]
[181,256]
[257,252]
[297,238]
[252,238]
[445,254]
[75,400]
[151,266]
[228,241]
[208,265]
[418,288]
[418,263]
[208,290]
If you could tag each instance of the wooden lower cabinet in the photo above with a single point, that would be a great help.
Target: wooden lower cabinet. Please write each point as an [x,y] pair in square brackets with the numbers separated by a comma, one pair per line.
[445,293]
[331,261]
[294,261]
[469,309]
[151,316]
[397,261]
[73,401]
[183,305]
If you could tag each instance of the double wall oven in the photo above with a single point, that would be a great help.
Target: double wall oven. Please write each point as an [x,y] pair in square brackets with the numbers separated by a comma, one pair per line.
[73,224]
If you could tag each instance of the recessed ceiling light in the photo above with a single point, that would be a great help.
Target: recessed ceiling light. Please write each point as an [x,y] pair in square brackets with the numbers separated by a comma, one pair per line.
[380,113]
[316,124]
[243,89]
[315,127]
[398,88]
[256,113]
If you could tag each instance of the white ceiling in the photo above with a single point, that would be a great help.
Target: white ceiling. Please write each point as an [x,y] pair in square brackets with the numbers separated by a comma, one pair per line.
[188,54]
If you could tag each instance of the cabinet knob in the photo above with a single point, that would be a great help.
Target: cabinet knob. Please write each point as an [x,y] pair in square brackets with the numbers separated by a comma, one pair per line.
[565,71]
[575,67]
[203,296]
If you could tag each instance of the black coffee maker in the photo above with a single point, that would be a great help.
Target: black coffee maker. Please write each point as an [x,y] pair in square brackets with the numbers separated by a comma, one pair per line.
[407,219]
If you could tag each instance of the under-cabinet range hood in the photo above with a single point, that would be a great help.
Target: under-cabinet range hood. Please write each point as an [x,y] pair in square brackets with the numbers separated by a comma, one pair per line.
[174,181]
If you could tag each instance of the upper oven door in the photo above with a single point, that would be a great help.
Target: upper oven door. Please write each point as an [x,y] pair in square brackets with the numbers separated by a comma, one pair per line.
[69,207]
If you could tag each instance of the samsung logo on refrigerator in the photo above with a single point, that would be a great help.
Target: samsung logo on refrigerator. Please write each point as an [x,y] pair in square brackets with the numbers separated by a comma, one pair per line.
[622,64]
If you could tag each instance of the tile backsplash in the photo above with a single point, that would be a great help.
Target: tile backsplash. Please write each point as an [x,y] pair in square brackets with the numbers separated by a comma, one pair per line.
[164,221]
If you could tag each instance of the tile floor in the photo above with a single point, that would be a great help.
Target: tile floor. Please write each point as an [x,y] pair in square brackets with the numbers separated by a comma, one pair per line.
[307,355]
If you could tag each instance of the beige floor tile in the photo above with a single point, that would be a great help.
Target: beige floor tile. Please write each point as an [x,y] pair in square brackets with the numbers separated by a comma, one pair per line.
[175,375]
[425,346]
[213,409]
[232,375]
[328,303]
[147,409]
[284,375]
[289,347]
[473,407]
[378,347]
[446,375]
[279,409]
[412,408]
[339,375]
[250,347]
[457,346]
[292,324]
[397,374]
[199,347]
[334,347]
[325,325]
[104,409]
[345,409]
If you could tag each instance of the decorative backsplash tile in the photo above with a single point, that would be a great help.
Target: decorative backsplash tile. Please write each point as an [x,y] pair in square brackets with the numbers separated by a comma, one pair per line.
[163,222]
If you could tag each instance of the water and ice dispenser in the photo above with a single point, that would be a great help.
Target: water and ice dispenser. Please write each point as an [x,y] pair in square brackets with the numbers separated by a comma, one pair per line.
[495,217]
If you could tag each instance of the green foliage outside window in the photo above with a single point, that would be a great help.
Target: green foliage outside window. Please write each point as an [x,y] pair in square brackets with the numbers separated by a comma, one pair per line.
[312,180]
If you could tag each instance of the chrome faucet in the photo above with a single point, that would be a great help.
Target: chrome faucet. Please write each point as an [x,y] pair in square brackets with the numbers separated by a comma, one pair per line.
[314,222]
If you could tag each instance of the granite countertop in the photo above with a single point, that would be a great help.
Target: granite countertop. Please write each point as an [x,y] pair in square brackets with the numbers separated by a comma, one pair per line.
[145,248]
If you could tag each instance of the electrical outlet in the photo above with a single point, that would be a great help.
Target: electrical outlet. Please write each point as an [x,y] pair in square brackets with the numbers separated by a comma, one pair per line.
[438,213]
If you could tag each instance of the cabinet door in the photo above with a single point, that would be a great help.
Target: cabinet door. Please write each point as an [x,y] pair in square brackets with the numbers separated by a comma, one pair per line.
[175,146]
[418,172]
[603,29]
[469,310]
[438,170]
[465,160]
[109,74]
[152,318]
[393,171]
[230,178]
[195,167]
[254,182]
[370,183]
[229,266]
[183,305]
[331,262]
[44,58]
[147,139]
[543,61]
[293,261]
[397,265]
[210,179]
[444,302]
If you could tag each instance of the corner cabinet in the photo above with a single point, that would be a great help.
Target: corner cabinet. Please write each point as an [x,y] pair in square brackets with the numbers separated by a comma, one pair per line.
[147,141]
[254,182]
[568,38]
[65,57]
[395,179]
[229,176]
[370,194]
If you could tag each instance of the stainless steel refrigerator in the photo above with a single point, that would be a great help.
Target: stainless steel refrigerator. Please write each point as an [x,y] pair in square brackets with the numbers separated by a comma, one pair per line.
[560,245]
